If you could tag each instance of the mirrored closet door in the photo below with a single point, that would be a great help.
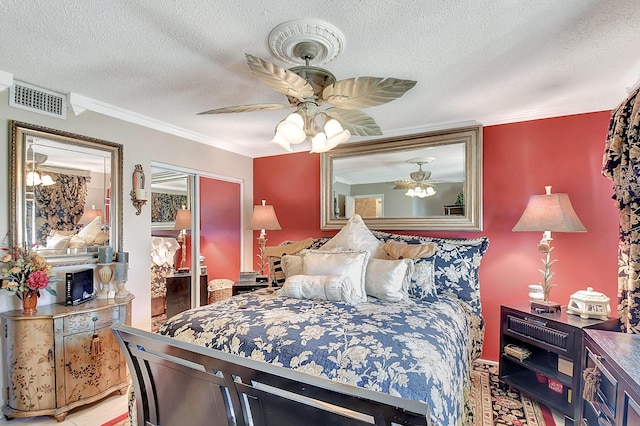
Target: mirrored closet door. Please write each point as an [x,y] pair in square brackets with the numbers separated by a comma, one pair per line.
[195,238]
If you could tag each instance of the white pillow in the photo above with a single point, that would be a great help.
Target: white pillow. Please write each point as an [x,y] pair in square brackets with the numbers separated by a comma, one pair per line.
[90,231]
[352,264]
[388,279]
[336,288]
[58,242]
[356,236]
[291,265]
[76,242]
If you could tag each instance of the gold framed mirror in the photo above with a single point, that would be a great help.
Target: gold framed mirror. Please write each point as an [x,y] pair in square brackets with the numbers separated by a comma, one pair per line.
[66,193]
[428,181]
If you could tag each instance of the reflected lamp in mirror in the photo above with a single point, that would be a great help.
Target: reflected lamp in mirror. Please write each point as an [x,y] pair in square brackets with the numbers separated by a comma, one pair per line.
[138,194]
[90,214]
[548,213]
[263,219]
[183,223]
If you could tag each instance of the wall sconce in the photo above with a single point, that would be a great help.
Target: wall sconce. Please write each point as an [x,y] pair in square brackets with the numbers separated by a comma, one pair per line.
[138,195]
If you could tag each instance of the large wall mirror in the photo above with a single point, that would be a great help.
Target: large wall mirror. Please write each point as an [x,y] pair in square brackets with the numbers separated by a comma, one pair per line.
[428,181]
[66,194]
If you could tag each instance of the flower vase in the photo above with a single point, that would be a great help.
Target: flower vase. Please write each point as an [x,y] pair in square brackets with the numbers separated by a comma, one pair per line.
[29,302]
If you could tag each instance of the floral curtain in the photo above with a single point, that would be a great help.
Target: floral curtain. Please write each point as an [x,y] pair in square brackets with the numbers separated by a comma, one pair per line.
[164,207]
[60,206]
[621,164]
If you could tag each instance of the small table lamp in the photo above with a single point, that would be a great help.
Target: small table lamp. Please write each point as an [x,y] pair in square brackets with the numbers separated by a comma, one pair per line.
[89,214]
[183,223]
[264,218]
[548,213]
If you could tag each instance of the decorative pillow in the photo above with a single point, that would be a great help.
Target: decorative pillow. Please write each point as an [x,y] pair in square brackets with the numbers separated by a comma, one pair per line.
[353,264]
[275,253]
[456,264]
[356,236]
[76,242]
[396,250]
[388,279]
[422,283]
[291,265]
[58,241]
[337,288]
[90,231]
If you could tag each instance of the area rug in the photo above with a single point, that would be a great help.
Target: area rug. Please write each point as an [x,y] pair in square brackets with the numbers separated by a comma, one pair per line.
[121,420]
[493,405]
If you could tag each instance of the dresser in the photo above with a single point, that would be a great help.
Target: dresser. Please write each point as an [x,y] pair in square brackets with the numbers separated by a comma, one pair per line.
[62,357]
[179,293]
[615,357]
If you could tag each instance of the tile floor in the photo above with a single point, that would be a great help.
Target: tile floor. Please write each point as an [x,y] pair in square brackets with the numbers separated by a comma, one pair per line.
[88,415]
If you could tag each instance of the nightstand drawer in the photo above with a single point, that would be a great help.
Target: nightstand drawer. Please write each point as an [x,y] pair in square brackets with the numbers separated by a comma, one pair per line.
[538,330]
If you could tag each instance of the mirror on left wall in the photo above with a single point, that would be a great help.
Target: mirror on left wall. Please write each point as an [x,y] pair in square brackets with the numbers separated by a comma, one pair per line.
[66,193]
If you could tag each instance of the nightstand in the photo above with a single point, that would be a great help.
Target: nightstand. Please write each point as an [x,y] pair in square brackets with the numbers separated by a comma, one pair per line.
[245,288]
[551,369]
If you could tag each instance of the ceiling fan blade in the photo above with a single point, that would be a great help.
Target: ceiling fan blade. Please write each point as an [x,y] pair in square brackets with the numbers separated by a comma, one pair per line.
[245,108]
[365,92]
[355,121]
[280,79]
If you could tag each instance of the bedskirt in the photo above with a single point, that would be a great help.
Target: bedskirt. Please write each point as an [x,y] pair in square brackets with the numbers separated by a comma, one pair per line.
[412,349]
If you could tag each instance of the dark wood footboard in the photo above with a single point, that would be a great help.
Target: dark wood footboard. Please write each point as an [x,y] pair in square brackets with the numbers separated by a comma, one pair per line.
[178,383]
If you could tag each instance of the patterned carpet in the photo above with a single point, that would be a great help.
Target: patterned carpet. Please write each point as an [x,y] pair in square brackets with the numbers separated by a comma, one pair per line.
[493,405]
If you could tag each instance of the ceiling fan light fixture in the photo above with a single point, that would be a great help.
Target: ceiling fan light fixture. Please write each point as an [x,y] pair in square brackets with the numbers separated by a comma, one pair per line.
[279,140]
[291,129]
[332,136]
[33,179]
[47,180]
[420,192]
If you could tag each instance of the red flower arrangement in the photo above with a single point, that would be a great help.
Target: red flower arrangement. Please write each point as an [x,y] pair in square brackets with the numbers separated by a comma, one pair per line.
[26,270]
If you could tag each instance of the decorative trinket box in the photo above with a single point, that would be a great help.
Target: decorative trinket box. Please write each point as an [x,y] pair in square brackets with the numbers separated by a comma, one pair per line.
[589,304]
[517,351]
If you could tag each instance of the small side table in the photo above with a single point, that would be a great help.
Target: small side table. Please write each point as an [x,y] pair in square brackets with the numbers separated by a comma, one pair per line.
[552,372]
[245,288]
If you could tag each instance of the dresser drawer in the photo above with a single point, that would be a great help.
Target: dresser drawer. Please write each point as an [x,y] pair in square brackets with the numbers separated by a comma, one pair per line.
[88,320]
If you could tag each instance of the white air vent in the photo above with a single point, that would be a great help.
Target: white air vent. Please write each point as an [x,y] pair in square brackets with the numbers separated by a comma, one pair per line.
[35,99]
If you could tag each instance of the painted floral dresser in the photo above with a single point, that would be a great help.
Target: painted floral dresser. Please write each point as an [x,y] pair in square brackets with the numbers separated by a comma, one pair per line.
[62,357]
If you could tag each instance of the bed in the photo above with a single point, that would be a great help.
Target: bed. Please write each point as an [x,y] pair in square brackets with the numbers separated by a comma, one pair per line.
[419,347]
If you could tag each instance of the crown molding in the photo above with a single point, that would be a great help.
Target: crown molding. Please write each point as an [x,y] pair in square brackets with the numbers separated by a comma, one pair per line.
[80,104]
[6,80]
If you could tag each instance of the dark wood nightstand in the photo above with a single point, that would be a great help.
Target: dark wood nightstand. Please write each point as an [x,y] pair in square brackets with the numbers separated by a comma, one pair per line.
[552,372]
[245,288]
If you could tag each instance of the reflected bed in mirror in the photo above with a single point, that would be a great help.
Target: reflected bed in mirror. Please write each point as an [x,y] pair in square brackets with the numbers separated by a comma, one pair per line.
[65,194]
[428,181]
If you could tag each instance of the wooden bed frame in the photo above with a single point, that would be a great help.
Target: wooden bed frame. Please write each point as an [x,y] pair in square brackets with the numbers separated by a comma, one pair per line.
[178,383]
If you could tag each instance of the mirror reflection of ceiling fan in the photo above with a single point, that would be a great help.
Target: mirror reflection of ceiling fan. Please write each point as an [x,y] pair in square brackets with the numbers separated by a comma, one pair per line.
[418,185]
[308,88]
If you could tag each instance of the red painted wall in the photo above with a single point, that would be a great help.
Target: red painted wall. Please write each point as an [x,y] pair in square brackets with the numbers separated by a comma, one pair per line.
[519,159]
[220,230]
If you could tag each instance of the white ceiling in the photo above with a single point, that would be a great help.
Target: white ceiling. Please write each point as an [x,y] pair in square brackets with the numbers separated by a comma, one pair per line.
[159,63]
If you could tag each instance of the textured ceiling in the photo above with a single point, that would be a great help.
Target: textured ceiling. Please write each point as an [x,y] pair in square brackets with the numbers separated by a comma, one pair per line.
[486,61]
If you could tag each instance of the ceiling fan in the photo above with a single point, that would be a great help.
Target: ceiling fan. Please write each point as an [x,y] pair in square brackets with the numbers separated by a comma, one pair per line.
[418,185]
[308,88]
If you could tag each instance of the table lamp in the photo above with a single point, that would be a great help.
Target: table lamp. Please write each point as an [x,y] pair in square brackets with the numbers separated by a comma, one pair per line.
[183,223]
[263,218]
[548,213]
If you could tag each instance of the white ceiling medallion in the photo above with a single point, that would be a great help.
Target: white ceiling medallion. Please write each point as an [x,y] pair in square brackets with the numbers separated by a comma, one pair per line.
[284,38]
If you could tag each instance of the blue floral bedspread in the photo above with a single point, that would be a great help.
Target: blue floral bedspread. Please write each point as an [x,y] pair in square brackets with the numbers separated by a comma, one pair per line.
[412,349]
